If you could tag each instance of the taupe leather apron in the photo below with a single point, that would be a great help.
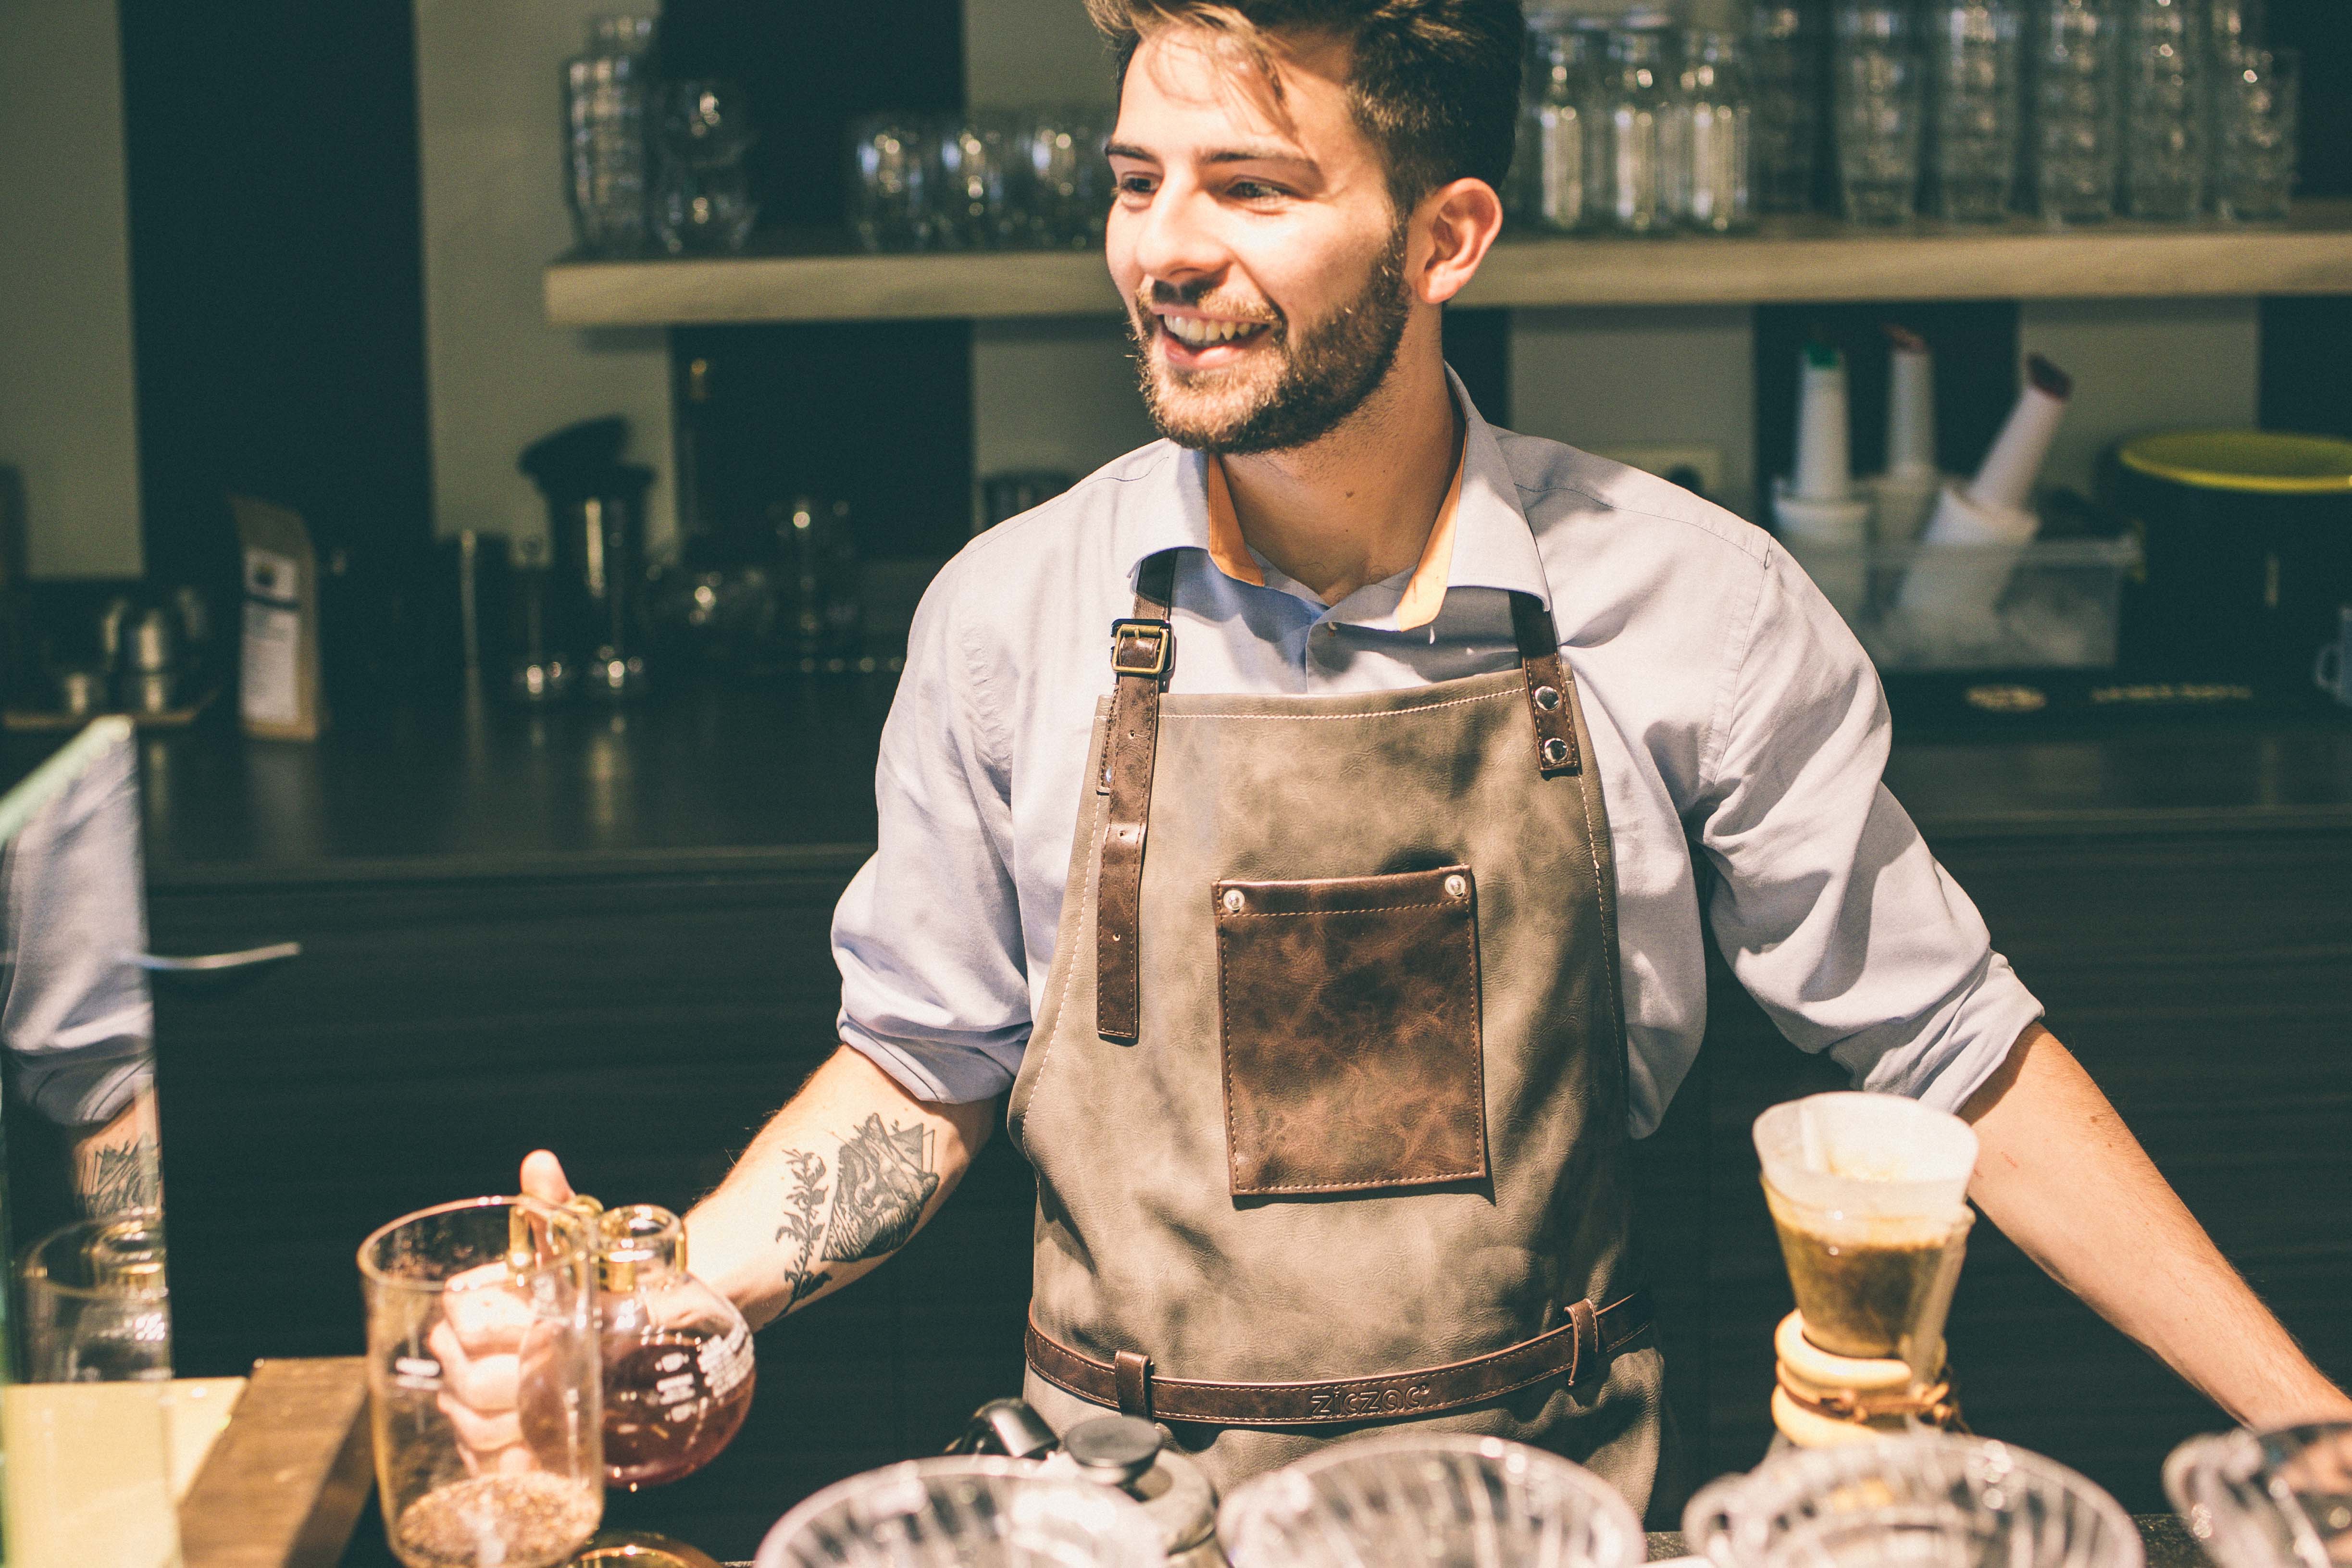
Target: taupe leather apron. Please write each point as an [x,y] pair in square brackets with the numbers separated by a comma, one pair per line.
[1326,1096]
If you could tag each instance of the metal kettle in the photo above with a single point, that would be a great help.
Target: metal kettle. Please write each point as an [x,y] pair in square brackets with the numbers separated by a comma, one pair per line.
[1121,1451]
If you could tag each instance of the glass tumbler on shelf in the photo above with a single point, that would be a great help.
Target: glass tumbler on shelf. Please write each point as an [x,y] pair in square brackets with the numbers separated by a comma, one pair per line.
[982,194]
[484,1382]
[1785,82]
[1060,151]
[606,160]
[1879,112]
[1713,105]
[1637,133]
[1974,108]
[890,183]
[2258,104]
[2074,61]
[1556,132]
[702,201]
[2164,139]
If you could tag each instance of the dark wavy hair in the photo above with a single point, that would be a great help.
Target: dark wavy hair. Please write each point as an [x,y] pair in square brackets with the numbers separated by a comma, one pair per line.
[1434,83]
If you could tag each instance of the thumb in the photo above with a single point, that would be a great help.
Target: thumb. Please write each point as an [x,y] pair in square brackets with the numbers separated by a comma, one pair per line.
[544,1178]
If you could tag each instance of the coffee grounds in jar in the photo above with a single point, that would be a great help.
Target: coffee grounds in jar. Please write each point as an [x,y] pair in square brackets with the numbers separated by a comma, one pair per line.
[530,1521]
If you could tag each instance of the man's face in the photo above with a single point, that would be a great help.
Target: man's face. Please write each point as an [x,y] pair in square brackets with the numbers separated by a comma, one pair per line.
[1263,265]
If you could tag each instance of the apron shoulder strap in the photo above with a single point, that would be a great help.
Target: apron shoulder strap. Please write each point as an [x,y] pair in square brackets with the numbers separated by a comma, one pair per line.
[1547,685]
[1142,648]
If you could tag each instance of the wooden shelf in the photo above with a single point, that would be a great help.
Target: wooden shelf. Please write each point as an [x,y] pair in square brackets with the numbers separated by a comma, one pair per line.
[1789,262]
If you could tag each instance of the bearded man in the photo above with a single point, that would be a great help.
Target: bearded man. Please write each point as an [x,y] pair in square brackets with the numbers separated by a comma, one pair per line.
[1325,931]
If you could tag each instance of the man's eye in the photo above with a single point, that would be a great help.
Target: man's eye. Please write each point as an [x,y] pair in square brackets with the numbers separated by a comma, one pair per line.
[1253,191]
[1135,185]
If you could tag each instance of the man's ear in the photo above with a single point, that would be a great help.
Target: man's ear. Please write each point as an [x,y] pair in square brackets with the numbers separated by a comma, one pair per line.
[1453,228]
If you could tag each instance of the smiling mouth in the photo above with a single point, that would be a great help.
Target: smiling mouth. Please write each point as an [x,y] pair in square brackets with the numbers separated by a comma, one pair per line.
[1199,332]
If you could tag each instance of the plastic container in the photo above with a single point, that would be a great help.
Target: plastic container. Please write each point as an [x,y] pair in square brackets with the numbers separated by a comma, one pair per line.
[2058,608]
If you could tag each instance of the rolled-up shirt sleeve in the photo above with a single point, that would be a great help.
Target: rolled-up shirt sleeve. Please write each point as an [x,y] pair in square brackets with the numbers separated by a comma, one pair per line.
[927,936]
[1828,905]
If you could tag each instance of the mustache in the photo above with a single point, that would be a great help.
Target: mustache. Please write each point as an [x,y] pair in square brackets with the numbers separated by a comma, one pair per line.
[1202,297]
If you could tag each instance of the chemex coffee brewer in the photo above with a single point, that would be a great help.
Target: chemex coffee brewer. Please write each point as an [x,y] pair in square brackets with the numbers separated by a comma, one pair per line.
[1868,1195]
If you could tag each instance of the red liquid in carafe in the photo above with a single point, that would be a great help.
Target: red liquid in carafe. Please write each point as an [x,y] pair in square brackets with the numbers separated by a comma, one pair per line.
[671,1402]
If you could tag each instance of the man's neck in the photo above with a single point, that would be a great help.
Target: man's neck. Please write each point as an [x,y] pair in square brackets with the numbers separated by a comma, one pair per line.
[1357,506]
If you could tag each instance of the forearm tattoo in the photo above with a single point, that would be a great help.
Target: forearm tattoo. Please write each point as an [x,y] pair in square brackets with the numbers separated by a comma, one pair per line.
[115,1178]
[886,1177]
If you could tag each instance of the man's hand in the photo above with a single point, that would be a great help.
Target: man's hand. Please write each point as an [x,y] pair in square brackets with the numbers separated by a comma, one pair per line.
[2064,1179]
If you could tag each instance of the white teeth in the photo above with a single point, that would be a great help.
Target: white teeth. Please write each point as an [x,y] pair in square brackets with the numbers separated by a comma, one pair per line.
[1195,332]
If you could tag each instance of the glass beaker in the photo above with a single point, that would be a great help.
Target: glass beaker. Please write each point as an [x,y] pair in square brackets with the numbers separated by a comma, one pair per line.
[87,1431]
[2267,1499]
[1868,1195]
[1973,88]
[678,1355]
[1929,1501]
[1879,111]
[483,1382]
[1416,1501]
[978,1513]
[1637,132]
[1556,139]
[2076,61]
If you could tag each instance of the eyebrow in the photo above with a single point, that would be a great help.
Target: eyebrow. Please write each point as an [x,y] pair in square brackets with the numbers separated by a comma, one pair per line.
[1242,154]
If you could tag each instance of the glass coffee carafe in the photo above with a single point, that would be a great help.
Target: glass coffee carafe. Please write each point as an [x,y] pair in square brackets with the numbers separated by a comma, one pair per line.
[483,1383]
[677,1355]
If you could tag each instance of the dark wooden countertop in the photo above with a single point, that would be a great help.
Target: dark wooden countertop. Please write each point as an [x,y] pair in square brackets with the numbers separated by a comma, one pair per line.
[781,778]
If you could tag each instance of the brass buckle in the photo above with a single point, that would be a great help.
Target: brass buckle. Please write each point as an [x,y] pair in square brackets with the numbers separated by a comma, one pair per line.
[1155,641]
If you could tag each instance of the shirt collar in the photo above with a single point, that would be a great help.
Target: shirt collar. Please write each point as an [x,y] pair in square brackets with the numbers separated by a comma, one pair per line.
[1480,538]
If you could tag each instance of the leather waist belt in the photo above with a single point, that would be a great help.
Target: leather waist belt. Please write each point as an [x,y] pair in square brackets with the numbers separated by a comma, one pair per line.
[1577,1348]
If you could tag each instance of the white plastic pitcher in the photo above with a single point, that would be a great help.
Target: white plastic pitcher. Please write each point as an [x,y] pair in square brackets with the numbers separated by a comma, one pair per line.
[964,1512]
[1932,1500]
[2267,1499]
[1430,1502]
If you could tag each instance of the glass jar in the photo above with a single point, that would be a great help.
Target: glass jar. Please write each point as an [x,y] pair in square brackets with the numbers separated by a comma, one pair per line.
[677,1355]
[1785,83]
[1715,112]
[1555,148]
[702,202]
[1639,137]
[1975,107]
[606,95]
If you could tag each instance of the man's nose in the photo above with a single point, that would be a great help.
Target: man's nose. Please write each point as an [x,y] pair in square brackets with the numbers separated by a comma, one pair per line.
[1177,243]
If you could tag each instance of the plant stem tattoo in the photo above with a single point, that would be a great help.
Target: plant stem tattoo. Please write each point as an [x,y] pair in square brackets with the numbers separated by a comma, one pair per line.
[801,1226]
[116,1178]
[885,1180]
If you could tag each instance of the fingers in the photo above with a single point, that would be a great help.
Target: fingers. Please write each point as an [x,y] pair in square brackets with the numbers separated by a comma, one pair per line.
[489,1383]
[487,1315]
[544,1178]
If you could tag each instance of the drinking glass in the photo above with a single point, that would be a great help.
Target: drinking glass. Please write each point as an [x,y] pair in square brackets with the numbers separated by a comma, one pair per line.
[87,1432]
[1066,178]
[702,202]
[474,1475]
[890,183]
[2163,141]
[1556,144]
[2075,58]
[1716,113]
[978,181]
[1784,76]
[605,97]
[1879,114]
[1414,1501]
[1972,76]
[1638,142]
[980,1512]
[2257,109]
[1925,1500]
[2267,1499]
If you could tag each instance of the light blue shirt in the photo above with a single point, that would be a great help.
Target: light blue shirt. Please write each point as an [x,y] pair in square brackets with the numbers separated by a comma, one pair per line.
[1727,700]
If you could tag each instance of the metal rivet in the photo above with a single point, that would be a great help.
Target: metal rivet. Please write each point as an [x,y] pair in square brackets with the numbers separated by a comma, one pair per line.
[1547,698]
[1456,886]
[1554,752]
[1232,900]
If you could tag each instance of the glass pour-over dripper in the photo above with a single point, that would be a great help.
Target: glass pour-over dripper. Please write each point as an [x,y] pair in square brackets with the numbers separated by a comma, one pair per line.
[2267,1499]
[676,1353]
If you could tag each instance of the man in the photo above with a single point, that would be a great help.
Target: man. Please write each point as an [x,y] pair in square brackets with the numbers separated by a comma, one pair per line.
[1331,935]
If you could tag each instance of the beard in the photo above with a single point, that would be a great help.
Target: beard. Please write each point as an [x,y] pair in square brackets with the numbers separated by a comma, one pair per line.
[1313,378]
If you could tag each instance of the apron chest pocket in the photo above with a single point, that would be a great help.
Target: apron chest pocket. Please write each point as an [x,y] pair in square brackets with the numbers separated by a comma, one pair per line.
[1348,1010]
